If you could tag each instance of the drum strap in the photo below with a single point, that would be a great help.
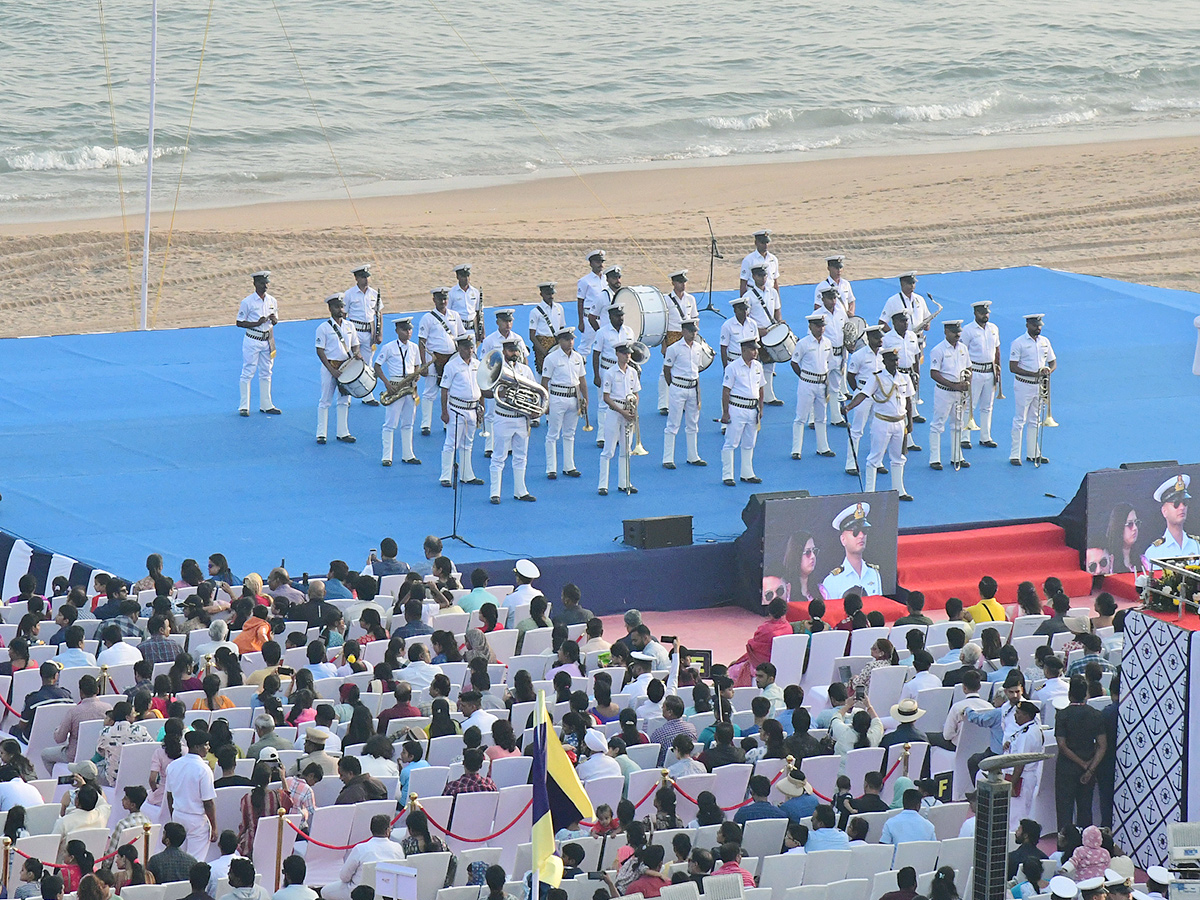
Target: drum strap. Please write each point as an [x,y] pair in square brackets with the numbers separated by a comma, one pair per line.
[545,311]
[678,305]
[341,340]
[761,302]
[445,324]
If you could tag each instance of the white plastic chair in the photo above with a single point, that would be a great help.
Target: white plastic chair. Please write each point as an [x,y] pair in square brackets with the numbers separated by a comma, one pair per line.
[723,887]
[916,764]
[849,889]
[693,785]
[861,639]
[1023,626]
[330,825]
[729,783]
[806,892]
[861,761]
[787,655]
[956,852]
[824,647]
[487,855]
[826,866]
[511,770]
[645,755]
[471,817]
[763,837]
[921,855]
[781,871]
[504,644]
[512,802]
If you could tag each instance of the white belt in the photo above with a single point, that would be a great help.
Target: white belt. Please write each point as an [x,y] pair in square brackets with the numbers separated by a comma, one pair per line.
[686,383]
[257,336]
[981,367]
[743,402]
[812,377]
[1029,380]
[362,326]
[941,387]
[606,363]
[463,404]
[887,418]
[509,415]
[559,391]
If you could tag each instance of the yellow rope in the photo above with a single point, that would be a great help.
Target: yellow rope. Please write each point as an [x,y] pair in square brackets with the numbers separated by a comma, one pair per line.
[549,143]
[112,110]
[162,275]
[325,134]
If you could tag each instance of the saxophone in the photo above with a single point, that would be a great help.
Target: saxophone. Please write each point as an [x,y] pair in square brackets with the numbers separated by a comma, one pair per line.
[403,387]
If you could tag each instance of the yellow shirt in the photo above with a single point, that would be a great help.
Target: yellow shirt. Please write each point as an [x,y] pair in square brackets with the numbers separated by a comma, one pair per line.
[987,611]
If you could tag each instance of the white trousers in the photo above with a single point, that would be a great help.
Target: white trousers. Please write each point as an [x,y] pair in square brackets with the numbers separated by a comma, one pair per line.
[741,433]
[983,398]
[602,410]
[329,387]
[837,387]
[256,357]
[199,833]
[460,434]
[810,400]
[683,406]
[431,392]
[945,404]
[561,422]
[1025,399]
[859,417]
[510,435]
[886,437]
[402,413]
[769,375]
[618,436]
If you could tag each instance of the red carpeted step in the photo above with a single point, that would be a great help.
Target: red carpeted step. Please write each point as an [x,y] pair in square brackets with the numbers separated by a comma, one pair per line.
[950,564]
[1121,587]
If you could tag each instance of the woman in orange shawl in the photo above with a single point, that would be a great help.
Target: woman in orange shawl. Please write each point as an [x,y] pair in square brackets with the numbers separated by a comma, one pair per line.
[758,648]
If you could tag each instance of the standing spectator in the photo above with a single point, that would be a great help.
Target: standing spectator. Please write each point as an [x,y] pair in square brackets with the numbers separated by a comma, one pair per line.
[1082,737]
[191,798]
[261,802]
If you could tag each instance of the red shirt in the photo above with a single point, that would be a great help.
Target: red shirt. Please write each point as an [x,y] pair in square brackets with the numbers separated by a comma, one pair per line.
[732,868]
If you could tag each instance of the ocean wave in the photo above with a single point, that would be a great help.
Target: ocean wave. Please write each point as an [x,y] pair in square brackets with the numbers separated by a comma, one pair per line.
[1070,117]
[80,159]
[1171,105]
[926,112]
[753,122]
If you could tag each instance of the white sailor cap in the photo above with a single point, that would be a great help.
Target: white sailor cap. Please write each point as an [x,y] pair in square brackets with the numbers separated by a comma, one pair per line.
[1064,887]
[852,515]
[526,569]
[1173,489]
[1094,883]
[902,313]
[1160,875]
[978,303]
[547,285]
[440,290]
[511,341]
[262,275]
[612,270]
[506,314]
[1113,878]
[760,267]
[689,323]
[739,301]
[403,322]
[364,269]
[640,656]
[332,297]
[874,329]
[594,253]
[624,347]
[462,267]
[836,260]
[1139,895]
[568,332]
[618,308]
[815,317]
[679,275]
[763,234]
[908,276]
[829,291]
[1038,316]
[956,324]
[465,338]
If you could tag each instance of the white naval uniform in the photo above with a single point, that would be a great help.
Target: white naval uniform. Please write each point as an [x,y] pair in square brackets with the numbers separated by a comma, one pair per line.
[1028,738]
[754,258]
[950,362]
[589,289]
[918,314]
[835,331]
[763,305]
[734,332]
[547,319]
[745,382]
[1166,547]
[440,333]
[683,359]
[863,363]
[606,343]
[888,395]
[511,435]
[678,309]
[339,340]
[460,378]
[563,373]
[256,348]
[845,297]
[982,342]
[815,359]
[397,360]
[360,312]
[618,431]
[844,577]
[908,355]
[1031,355]
[464,303]
[495,341]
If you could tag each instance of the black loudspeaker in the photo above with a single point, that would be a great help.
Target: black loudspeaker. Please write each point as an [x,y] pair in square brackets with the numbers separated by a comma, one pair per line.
[659,531]
[1153,464]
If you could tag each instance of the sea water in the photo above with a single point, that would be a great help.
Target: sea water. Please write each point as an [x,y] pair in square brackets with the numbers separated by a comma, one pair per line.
[296,95]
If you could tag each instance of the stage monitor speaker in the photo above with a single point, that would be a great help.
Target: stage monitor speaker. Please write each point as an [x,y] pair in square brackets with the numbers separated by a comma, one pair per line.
[1151,464]
[659,531]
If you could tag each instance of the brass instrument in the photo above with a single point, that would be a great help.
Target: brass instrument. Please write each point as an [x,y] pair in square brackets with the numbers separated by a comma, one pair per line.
[631,405]
[403,386]
[962,404]
[1045,419]
[512,391]
[639,355]
[852,333]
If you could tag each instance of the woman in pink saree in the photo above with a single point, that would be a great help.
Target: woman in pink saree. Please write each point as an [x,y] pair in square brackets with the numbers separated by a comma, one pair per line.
[758,648]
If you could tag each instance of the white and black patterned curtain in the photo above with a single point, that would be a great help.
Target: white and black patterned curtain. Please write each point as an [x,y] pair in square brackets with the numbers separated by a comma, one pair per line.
[18,557]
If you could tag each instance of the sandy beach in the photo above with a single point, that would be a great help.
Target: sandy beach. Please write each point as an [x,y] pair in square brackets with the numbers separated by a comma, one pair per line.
[1128,210]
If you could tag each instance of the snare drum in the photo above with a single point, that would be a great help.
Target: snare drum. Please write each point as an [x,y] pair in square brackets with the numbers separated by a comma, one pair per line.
[707,354]
[645,312]
[356,377]
[778,343]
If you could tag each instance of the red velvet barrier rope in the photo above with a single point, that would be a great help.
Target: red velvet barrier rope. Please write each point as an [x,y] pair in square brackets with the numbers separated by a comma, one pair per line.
[63,866]
[313,840]
[480,840]
[691,799]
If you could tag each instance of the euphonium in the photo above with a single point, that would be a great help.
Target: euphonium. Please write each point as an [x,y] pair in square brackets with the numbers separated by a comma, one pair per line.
[512,391]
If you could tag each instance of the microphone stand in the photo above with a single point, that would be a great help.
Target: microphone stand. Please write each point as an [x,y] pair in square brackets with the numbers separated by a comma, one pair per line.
[455,507]
[714,253]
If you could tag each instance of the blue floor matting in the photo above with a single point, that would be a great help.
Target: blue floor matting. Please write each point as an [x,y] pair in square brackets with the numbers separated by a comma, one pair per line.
[117,445]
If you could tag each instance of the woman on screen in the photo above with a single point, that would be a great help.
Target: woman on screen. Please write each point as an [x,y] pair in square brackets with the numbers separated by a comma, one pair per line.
[799,563]
[1121,540]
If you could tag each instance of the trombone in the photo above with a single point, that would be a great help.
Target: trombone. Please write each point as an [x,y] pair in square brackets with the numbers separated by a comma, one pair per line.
[1045,418]
[962,404]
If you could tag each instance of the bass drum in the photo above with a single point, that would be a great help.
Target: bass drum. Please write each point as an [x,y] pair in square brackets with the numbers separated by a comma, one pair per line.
[645,312]
[356,378]
[778,343]
[707,354]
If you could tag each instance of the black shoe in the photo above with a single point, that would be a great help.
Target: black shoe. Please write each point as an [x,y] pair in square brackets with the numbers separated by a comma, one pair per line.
[425,432]
[991,444]
[387,462]
[536,423]
[273,411]
[603,492]
[528,498]
[411,461]
[320,440]
[937,467]
[729,482]
[445,483]
[370,401]
[487,454]
[572,473]
[880,470]
[696,462]
[600,444]
[963,464]
[795,456]
[906,497]
[1014,462]
[852,471]
[244,413]
[920,420]
[812,426]
[668,465]
[631,490]
[841,424]
[915,449]
[826,453]
[347,438]
[1041,460]
[495,501]
[753,480]
[551,476]
[662,412]
[474,481]
[775,402]
[966,445]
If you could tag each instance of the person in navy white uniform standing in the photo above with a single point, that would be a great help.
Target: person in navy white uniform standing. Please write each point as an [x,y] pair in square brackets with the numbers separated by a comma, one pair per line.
[950,369]
[589,297]
[1031,359]
[741,412]
[365,312]
[437,336]
[681,369]
[495,341]
[258,314]
[890,392]
[337,341]
[765,310]
[982,338]
[511,429]
[863,363]
[680,306]
[398,359]
[461,411]
[467,300]
[619,390]
[564,376]
[811,361]
[835,264]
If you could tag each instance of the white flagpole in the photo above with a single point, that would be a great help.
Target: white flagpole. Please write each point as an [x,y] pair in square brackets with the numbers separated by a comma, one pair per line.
[149,161]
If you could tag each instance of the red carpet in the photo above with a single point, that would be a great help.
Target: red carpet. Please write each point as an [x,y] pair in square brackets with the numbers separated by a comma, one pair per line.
[1121,587]
[950,563]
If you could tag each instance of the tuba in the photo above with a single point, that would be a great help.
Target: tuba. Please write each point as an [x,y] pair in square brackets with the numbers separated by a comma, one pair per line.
[513,392]
[852,332]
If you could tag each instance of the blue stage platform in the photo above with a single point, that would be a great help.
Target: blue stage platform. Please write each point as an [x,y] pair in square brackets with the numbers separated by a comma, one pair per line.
[117,445]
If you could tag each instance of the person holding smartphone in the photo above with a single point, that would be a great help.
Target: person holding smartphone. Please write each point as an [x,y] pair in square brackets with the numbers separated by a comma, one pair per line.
[855,725]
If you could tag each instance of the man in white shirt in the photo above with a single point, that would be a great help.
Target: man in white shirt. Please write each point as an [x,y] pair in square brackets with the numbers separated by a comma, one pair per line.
[258,315]
[191,798]
[741,412]
[904,341]
[461,412]
[950,369]
[619,389]
[420,671]
[510,429]
[834,264]
[397,360]
[295,871]
[564,376]
[681,364]
[952,729]
[862,364]
[1031,359]
[467,300]
[116,652]
[589,295]
[1056,686]
[811,361]
[15,792]
[364,312]
[337,342]
[598,763]
[495,341]
[766,311]
[470,704]
[983,345]
[377,849]
[681,307]
[437,337]
[890,392]
[734,330]
[218,631]
[524,574]
[924,679]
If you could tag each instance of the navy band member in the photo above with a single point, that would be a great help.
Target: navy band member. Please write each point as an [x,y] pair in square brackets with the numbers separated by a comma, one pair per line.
[365,312]
[738,328]
[258,314]
[851,525]
[681,369]
[890,391]
[835,332]
[564,375]
[619,390]
[834,264]
[863,363]
[919,319]
[1031,359]
[741,412]
[462,411]
[467,300]
[760,255]
[546,320]
[511,429]
[983,344]
[436,336]
[589,297]
[811,361]
[399,359]
[950,369]
[495,341]
[766,312]
[1173,495]
[337,341]
[604,357]
[904,341]
[680,306]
